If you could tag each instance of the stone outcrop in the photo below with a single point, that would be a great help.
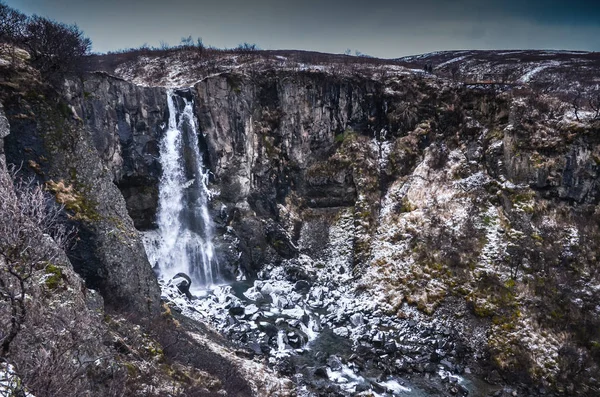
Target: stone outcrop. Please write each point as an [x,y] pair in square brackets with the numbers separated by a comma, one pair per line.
[65,341]
[473,205]
[271,140]
[52,142]
[125,122]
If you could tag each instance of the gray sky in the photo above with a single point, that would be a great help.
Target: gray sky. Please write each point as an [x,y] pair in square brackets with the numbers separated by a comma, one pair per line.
[383,28]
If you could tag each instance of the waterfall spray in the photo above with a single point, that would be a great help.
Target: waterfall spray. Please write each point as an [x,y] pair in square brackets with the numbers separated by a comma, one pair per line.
[183,241]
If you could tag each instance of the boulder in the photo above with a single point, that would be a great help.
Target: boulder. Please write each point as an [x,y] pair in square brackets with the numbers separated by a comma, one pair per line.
[183,283]
[302,286]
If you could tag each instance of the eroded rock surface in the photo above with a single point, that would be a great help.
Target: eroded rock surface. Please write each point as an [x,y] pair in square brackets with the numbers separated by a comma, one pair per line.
[477,206]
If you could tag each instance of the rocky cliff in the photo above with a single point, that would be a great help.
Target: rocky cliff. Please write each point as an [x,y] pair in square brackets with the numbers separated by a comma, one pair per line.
[479,199]
[51,142]
[433,224]
[475,204]
[81,308]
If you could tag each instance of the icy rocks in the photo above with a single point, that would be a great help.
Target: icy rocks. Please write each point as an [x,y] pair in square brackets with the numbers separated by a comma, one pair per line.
[183,282]
[342,331]
[357,319]
[281,318]
[296,312]
[253,294]
[334,363]
[302,286]
[250,310]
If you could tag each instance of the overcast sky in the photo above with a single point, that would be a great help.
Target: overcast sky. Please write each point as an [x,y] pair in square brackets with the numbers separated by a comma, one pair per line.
[382,28]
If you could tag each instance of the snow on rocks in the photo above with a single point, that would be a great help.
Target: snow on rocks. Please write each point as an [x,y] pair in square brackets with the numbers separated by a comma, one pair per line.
[532,72]
[10,383]
[304,308]
[494,250]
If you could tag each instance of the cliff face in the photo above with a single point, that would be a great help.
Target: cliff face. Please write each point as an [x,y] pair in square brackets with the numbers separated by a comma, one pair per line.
[474,196]
[83,318]
[272,142]
[125,122]
[461,202]
[42,295]
[476,206]
[54,144]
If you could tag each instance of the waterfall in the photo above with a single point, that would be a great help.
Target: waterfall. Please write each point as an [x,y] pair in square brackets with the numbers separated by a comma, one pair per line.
[183,240]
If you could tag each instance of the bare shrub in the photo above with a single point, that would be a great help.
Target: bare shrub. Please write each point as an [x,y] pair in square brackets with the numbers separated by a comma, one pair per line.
[12,24]
[26,217]
[56,49]
[595,104]
[48,336]
[20,219]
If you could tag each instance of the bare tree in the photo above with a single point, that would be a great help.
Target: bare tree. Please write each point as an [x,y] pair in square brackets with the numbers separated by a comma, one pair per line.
[12,24]
[12,28]
[187,42]
[26,216]
[595,104]
[56,49]
[576,103]
[246,48]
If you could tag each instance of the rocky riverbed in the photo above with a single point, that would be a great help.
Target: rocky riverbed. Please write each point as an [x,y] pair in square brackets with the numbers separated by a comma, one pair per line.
[314,327]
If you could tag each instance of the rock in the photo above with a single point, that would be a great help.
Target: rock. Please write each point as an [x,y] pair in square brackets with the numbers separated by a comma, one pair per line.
[267,289]
[447,364]
[296,313]
[250,310]
[334,363]
[302,286]
[390,347]
[377,388]
[430,368]
[295,297]
[253,294]
[494,377]
[321,372]
[357,319]
[268,328]
[294,340]
[281,302]
[379,338]
[285,366]
[183,282]
[317,294]
[342,331]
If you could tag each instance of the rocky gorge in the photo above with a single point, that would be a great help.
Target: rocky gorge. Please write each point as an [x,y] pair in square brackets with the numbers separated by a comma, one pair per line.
[379,230]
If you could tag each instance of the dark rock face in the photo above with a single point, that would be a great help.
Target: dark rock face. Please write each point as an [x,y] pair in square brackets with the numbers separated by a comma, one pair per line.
[52,308]
[572,175]
[418,192]
[126,122]
[61,151]
[269,140]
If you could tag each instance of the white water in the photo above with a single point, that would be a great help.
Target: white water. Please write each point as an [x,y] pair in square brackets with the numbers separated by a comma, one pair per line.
[281,340]
[183,240]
